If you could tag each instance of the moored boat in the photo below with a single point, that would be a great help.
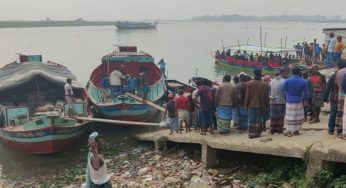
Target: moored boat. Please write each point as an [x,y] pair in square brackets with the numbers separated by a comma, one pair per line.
[252,58]
[32,106]
[174,86]
[127,25]
[123,106]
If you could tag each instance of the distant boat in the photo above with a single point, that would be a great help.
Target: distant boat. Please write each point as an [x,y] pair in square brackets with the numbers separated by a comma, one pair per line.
[32,104]
[126,25]
[124,106]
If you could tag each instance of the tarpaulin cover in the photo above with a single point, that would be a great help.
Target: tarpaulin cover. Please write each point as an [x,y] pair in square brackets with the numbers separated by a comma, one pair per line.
[15,74]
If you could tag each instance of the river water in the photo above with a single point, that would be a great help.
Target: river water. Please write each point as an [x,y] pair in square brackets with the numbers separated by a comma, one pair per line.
[183,45]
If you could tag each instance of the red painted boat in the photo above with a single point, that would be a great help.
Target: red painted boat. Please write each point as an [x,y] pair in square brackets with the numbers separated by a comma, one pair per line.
[123,106]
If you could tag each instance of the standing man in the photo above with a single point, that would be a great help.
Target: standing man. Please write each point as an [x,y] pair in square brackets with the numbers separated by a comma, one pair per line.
[257,102]
[340,75]
[235,112]
[162,67]
[224,103]
[239,96]
[182,104]
[294,88]
[97,175]
[330,50]
[277,101]
[330,96]
[69,96]
[115,80]
[131,84]
[206,107]
[172,114]
[143,83]
[339,47]
[318,83]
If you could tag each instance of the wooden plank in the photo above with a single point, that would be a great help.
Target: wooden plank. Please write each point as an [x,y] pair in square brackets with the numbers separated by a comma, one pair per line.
[147,102]
[120,122]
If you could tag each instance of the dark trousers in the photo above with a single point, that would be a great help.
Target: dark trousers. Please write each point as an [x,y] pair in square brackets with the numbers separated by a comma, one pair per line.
[332,117]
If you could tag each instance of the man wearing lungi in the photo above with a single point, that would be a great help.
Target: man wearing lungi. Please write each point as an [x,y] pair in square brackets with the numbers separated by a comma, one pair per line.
[224,104]
[340,75]
[294,88]
[239,96]
[318,83]
[257,102]
[277,102]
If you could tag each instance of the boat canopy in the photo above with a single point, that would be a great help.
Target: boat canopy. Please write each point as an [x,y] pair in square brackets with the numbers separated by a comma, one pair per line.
[15,74]
[254,48]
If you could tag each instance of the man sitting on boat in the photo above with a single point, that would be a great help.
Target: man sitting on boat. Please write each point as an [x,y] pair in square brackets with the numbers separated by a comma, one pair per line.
[115,81]
[69,96]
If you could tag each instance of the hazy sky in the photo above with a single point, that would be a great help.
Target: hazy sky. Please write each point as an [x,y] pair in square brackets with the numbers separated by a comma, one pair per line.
[161,9]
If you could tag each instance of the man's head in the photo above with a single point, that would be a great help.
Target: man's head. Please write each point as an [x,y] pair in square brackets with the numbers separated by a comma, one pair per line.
[204,82]
[69,80]
[314,70]
[170,96]
[331,35]
[284,72]
[180,92]
[339,39]
[227,78]
[236,79]
[257,72]
[296,71]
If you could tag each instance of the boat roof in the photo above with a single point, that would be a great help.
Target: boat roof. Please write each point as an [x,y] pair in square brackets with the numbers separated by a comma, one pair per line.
[17,73]
[254,48]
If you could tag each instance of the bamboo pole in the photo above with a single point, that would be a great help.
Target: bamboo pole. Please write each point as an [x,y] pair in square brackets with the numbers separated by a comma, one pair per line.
[120,122]
[150,103]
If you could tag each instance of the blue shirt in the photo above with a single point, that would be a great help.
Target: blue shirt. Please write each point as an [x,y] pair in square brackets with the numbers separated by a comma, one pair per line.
[162,65]
[131,84]
[105,82]
[294,88]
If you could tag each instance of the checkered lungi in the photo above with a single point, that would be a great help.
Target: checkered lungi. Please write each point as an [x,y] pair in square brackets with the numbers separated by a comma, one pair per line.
[294,116]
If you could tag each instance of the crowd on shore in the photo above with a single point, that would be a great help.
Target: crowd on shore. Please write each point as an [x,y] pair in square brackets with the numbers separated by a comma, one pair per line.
[249,102]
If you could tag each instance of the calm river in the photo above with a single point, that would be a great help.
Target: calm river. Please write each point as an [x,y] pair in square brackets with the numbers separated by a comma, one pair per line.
[183,45]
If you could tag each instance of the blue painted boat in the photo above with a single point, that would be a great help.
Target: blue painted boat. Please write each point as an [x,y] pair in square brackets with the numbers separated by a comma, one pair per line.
[32,106]
[125,107]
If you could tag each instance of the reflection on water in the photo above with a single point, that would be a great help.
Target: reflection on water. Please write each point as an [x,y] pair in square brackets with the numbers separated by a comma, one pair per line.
[17,165]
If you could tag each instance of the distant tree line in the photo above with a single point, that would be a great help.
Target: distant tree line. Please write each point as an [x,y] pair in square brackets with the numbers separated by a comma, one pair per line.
[236,17]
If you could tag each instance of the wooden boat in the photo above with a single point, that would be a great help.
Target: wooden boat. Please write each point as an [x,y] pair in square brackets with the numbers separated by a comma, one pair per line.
[268,65]
[126,25]
[32,105]
[174,86]
[125,107]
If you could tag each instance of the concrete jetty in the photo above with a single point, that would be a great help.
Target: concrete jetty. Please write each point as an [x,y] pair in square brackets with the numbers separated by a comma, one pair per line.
[314,145]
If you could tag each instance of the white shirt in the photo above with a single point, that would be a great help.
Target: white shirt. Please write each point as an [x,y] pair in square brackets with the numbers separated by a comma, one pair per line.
[68,87]
[99,176]
[332,44]
[115,78]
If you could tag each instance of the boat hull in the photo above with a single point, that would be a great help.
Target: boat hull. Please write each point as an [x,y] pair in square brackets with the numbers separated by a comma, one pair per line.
[242,68]
[127,112]
[43,141]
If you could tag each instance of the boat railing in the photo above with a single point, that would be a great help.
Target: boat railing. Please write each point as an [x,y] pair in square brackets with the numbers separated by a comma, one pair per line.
[157,89]
[97,94]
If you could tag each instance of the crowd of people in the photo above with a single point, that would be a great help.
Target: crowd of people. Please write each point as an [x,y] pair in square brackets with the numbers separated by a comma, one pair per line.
[328,53]
[286,101]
